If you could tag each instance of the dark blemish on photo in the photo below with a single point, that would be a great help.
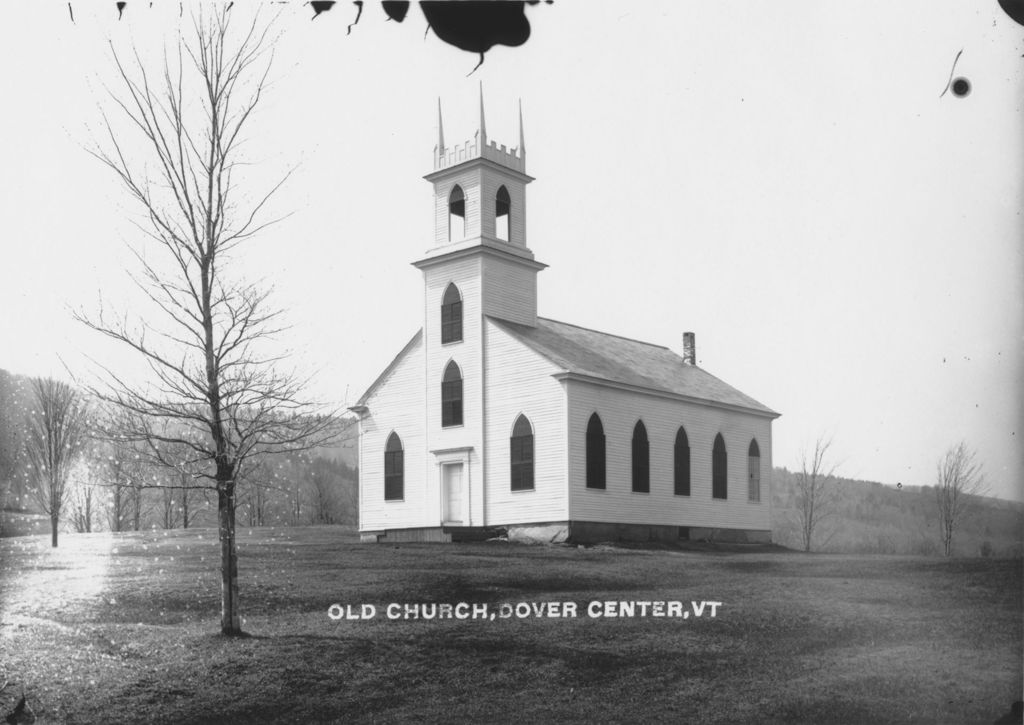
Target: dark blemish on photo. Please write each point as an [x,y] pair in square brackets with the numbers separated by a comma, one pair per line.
[71,13]
[322,6]
[961,87]
[951,72]
[359,14]
[396,9]
[1013,8]
[120,9]
[477,26]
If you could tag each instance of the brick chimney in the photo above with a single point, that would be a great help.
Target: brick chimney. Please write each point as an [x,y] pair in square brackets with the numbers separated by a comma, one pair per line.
[689,348]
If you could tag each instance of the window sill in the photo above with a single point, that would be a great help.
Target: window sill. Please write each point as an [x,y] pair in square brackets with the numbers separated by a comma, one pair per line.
[451,342]
[452,425]
[522,490]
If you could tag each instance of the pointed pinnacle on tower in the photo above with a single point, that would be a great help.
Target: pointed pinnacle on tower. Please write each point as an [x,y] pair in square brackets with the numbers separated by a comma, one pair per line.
[440,130]
[483,125]
[522,133]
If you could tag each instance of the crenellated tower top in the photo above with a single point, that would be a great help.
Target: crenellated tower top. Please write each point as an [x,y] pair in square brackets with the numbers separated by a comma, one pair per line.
[479,146]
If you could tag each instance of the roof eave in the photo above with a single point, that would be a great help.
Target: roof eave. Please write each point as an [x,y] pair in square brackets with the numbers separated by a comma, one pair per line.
[761,412]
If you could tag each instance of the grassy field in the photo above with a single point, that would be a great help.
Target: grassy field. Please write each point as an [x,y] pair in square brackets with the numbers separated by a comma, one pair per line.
[122,628]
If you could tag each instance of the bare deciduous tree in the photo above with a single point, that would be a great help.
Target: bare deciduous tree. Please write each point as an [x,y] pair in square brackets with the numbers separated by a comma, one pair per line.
[958,480]
[83,501]
[814,491]
[55,432]
[216,387]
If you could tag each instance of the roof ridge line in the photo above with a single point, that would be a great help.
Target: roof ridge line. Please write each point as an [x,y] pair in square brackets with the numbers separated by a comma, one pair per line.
[609,334]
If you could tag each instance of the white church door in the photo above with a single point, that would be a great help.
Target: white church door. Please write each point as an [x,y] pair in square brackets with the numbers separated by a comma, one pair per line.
[451,492]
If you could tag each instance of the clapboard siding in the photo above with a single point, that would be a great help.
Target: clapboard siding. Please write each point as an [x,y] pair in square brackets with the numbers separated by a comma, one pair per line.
[519,381]
[509,291]
[469,180]
[467,354]
[489,185]
[396,405]
[619,411]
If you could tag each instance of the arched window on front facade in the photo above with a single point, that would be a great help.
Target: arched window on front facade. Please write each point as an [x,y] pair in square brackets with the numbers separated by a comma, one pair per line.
[641,459]
[451,315]
[521,455]
[681,472]
[719,475]
[456,214]
[502,214]
[595,453]
[394,469]
[451,396]
[754,471]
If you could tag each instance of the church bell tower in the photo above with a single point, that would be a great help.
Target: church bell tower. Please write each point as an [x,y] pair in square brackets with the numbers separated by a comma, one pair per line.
[480,224]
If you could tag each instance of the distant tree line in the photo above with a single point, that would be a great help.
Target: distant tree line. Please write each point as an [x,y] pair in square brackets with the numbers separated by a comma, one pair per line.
[105,484]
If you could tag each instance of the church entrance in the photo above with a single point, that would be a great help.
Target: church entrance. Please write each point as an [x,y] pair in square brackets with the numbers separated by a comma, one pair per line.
[451,493]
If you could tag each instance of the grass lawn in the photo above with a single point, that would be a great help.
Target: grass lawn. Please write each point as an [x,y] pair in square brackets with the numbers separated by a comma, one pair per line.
[124,628]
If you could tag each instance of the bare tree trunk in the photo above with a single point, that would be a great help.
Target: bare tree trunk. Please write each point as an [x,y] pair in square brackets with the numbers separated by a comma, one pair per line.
[230,620]
[53,530]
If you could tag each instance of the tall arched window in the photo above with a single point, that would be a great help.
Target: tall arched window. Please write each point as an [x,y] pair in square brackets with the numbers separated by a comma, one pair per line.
[682,464]
[719,478]
[595,453]
[521,457]
[451,395]
[502,214]
[451,315]
[394,469]
[641,459]
[754,471]
[456,214]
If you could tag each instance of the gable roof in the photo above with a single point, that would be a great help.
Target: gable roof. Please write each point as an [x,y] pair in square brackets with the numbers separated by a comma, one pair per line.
[620,360]
[390,368]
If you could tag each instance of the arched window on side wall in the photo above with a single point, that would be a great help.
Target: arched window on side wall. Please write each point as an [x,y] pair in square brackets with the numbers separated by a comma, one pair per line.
[641,459]
[595,453]
[502,214]
[719,475]
[394,469]
[451,315]
[456,214]
[681,471]
[451,396]
[521,455]
[754,471]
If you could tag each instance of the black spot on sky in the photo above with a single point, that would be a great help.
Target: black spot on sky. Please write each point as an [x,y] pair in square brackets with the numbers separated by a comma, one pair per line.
[1013,8]
[322,6]
[396,9]
[120,9]
[961,87]
[476,26]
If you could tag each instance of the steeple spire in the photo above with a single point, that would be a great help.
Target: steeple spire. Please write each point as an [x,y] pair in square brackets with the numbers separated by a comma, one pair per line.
[483,124]
[440,130]
[522,134]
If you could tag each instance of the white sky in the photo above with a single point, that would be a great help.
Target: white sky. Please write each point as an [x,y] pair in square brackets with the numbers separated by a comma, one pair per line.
[781,178]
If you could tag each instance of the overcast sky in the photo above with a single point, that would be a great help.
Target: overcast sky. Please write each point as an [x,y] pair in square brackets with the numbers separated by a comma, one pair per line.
[783,179]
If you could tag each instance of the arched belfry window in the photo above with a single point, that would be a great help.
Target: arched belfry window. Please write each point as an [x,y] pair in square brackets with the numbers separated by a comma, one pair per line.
[641,459]
[595,453]
[682,463]
[502,214]
[394,469]
[719,477]
[451,395]
[754,471]
[456,214]
[451,315]
[521,455]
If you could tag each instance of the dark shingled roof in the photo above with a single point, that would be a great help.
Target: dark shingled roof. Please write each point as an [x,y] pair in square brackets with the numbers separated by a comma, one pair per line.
[628,362]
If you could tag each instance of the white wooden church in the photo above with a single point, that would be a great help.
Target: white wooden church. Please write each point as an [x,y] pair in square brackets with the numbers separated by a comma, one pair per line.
[495,420]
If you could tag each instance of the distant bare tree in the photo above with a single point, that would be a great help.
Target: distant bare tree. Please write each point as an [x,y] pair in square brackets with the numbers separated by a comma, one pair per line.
[56,432]
[83,499]
[958,481]
[815,493]
[216,387]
